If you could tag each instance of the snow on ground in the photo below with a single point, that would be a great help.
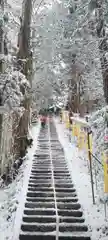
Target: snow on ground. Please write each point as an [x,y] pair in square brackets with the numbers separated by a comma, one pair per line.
[10,195]
[78,166]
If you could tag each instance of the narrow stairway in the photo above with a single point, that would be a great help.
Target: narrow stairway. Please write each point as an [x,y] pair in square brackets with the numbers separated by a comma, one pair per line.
[52,210]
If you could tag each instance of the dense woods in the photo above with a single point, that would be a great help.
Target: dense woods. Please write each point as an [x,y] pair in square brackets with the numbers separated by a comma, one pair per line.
[54,55]
[49,53]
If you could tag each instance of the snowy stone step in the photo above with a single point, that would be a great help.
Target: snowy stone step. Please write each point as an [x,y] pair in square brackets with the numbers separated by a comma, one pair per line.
[65,190]
[50,227]
[66,194]
[40,167]
[55,165]
[43,189]
[43,149]
[40,177]
[62,181]
[37,171]
[61,168]
[40,160]
[39,219]
[62,177]
[54,139]
[72,213]
[71,220]
[40,173]
[33,236]
[49,212]
[31,227]
[72,227]
[42,145]
[75,236]
[39,199]
[46,167]
[48,185]
[42,156]
[64,185]
[38,188]
[44,219]
[40,194]
[67,199]
[66,205]
[40,205]
[44,175]
[43,140]
[61,200]
[42,164]
[58,163]
[38,236]
[40,181]
[61,174]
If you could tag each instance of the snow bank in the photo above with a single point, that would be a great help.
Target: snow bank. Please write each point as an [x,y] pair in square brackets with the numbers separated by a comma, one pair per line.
[10,196]
[78,166]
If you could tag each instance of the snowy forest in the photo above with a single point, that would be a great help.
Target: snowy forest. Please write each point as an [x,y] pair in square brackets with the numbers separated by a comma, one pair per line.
[51,52]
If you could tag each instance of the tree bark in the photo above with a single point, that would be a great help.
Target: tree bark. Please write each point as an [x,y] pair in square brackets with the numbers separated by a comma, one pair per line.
[1,34]
[24,64]
[103,46]
[1,61]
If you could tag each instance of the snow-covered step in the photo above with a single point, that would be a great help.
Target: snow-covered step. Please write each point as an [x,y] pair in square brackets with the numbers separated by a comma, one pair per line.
[71,219]
[38,236]
[42,181]
[43,189]
[37,205]
[67,199]
[70,206]
[49,211]
[40,194]
[72,213]
[43,219]
[68,194]
[37,227]
[48,236]
[73,227]
[65,190]
[39,199]
[64,185]
[48,185]
[51,226]
[39,219]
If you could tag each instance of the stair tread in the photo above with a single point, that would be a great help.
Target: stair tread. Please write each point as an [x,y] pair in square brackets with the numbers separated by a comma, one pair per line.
[54,224]
[39,214]
[65,234]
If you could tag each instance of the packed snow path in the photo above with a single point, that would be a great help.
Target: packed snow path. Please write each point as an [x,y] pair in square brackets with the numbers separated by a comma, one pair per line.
[51,210]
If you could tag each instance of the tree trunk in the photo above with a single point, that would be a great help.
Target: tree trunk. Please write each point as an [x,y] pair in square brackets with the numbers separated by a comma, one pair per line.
[1,61]
[103,47]
[1,34]
[24,64]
